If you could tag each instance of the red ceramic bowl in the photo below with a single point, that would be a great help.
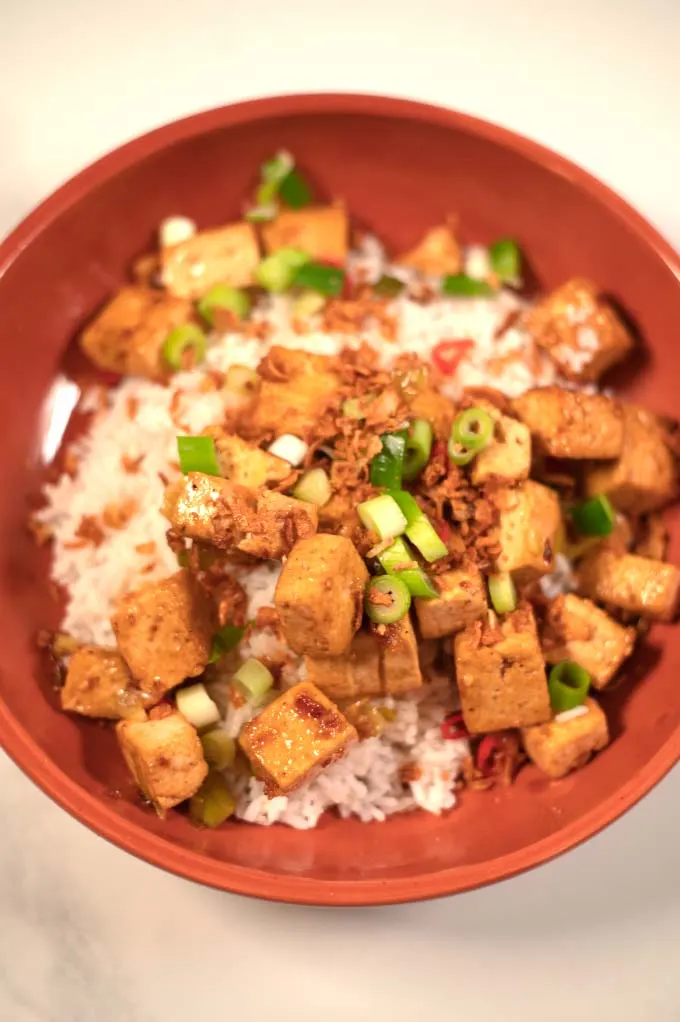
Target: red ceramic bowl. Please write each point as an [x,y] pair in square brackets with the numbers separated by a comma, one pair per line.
[401,166]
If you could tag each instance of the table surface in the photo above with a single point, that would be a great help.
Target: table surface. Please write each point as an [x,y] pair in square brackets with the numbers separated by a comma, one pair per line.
[87,931]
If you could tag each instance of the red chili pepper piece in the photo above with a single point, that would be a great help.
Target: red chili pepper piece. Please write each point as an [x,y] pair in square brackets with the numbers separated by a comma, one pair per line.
[447,354]
[488,747]
[443,530]
[453,727]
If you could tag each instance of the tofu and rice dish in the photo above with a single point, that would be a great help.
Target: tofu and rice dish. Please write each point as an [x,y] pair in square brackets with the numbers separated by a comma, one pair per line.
[346,530]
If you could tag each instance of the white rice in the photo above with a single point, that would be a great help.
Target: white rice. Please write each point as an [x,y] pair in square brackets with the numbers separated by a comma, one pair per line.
[366,783]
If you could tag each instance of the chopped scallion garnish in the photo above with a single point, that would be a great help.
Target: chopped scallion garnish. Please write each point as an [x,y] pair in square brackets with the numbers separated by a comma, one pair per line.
[194,703]
[383,516]
[253,680]
[459,285]
[595,517]
[387,599]
[277,271]
[314,487]
[568,684]
[506,260]
[225,640]
[386,468]
[197,454]
[213,803]
[398,560]
[418,448]
[420,530]
[180,342]
[473,429]
[326,280]
[295,191]
[502,592]
[388,287]
[219,748]
[222,296]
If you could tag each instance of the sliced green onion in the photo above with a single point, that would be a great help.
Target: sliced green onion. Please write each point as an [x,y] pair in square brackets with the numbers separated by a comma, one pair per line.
[383,516]
[262,214]
[418,448]
[458,454]
[473,429]
[386,600]
[241,380]
[222,296]
[219,748]
[502,592]
[277,169]
[398,560]
[459,285]
[253,680]
[277,272]
[327,280]
[506,260]
[213,803]
[314,487]
[388,287]
[295,191]
[594,517]
[386,468]
[308,304]
[568,684]
[183,339]
[225,640]
[420,529]
[197,454]
[194,703]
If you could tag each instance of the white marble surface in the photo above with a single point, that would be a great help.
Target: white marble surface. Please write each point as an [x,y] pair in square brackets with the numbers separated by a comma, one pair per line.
[89,933]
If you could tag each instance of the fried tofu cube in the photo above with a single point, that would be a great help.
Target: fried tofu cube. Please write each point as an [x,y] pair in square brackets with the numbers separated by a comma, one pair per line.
[576,629]
[568,741]
[319,595]
[320,231]
[507,459]
[128,335]
[436,254]
[579,330]
[213,510]
[461,600]
[297,388]
[434,408]
[340,515]
[165,757]
[530,520]
[501,674]
[244,463]
[632,583]
[400,665]
[356,673]
[99,684]
[295,737]
[222,255]
[165,631]
[572,424]
[652,537]
[645,476]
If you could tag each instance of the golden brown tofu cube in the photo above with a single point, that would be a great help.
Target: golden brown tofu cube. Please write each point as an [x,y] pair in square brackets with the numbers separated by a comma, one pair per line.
[571,424]
[129,333]
[297,388]
[530,520]
[319,595]
[435,409]
[636,584]
[652,537]
[165,757]
[436,254]
[295,737]
[575,629]
[261,523]
[581,332]
[507,459]
[461,600]
[165,631]
[223,255]
[399,662]
[568,741]
[356,673]
[501,674]
[320,231]
[645,476]
[244,463]
[99,684]
[340,515]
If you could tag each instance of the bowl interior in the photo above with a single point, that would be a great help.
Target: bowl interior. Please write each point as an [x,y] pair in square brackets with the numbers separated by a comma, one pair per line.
[400,168]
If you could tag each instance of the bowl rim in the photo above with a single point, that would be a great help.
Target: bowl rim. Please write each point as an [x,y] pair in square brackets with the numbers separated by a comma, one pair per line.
[130,836]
